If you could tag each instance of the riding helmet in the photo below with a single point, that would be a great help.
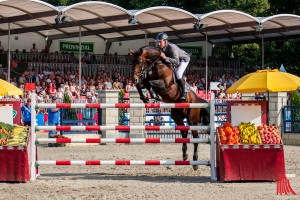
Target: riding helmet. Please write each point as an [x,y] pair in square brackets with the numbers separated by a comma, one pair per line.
[161,36]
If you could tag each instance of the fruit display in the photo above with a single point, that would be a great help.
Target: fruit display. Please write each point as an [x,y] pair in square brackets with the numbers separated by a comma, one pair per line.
[228,134]
[249,133]
[269,134]
[13,135]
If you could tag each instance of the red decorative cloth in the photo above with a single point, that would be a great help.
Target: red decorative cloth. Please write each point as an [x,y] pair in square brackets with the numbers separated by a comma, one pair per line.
[14,164]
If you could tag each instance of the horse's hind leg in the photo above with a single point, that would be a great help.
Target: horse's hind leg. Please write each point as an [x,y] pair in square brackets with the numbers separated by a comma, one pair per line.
[179,121]
[194,119]
[195,155]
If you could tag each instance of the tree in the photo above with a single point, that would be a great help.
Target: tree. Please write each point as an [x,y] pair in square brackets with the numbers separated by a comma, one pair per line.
[58,2]
[283,7]
[252,7]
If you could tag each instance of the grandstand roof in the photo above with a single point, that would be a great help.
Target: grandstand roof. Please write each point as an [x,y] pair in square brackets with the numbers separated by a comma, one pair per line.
[110,22]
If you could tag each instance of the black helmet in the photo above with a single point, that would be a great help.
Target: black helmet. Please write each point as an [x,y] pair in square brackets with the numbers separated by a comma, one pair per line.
[161,36]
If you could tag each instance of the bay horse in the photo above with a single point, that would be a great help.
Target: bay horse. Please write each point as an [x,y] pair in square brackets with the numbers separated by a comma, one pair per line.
[150,72]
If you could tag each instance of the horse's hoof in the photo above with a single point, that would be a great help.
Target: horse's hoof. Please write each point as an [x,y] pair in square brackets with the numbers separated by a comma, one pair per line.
[185,157]
[145,100]
[195,167]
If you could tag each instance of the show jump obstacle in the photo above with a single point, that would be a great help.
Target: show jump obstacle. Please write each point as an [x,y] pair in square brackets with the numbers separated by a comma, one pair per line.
[33,140]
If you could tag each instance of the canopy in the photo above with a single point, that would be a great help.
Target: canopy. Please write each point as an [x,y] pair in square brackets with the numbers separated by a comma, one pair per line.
[266,81]
[9,89]
[110,22]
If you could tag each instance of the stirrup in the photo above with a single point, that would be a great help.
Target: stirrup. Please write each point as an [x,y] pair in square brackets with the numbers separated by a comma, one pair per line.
[183,97]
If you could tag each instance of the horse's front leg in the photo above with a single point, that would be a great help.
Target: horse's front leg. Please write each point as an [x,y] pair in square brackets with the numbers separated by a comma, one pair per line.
[139,87]
[184,145]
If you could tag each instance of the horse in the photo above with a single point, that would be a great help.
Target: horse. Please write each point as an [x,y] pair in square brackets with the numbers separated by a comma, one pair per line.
[151,72]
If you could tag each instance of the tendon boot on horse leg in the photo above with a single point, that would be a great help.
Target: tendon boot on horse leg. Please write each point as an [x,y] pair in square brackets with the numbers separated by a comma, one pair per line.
[185,156]
[181,87]
[151,91]
[139,87]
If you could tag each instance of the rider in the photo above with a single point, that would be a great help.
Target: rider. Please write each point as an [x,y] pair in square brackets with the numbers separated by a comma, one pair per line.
[175,56]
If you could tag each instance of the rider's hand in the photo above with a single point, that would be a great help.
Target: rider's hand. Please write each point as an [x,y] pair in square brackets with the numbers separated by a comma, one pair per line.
[163,56]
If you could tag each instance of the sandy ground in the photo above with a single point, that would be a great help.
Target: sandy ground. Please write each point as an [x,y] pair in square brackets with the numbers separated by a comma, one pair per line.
[139,182]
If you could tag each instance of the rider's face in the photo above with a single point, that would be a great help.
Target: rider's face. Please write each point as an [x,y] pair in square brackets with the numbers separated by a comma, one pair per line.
[162,43]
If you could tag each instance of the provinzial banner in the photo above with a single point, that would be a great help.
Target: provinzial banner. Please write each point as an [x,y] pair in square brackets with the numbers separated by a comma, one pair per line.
[68,46]
[195,51]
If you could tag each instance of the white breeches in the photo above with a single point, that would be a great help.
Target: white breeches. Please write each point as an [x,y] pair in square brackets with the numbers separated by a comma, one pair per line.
[181,68]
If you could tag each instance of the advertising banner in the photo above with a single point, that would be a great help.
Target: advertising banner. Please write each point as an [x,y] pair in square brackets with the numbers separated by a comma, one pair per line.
[194,51]
[68,46]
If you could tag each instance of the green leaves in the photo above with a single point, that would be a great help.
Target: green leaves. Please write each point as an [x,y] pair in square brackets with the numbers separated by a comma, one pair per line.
[295,98]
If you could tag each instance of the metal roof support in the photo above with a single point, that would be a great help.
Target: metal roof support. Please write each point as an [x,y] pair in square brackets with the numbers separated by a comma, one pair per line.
[79,56]
[262,51]
[8,59]
[206,65]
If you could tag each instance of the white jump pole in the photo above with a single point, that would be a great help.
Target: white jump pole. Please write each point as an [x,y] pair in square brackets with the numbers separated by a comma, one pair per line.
[213,175]
[32,137]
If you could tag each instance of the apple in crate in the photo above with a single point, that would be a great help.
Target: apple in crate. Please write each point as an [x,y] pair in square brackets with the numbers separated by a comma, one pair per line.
[269,134]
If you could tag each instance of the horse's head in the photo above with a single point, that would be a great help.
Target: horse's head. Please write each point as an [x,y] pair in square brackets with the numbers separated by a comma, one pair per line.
[142,58]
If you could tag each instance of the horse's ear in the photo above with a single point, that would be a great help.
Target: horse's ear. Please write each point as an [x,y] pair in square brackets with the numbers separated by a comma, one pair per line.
[131,51]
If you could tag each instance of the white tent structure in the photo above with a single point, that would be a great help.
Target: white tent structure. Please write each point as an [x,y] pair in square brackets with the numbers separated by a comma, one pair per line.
[114,24]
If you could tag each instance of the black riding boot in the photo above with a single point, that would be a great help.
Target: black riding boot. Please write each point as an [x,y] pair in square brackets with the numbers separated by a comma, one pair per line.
[181,88]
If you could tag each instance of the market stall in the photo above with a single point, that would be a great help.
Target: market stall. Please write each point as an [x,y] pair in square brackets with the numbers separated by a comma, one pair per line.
[249,153]
[249,149]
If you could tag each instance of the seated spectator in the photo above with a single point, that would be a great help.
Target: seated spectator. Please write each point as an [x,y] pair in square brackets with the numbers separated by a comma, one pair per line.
[43,85]
[73,86]
[83,90]
[59,94]
[68,92]
[51,90]
[22,79]
[40,75]
[76,93]
[62,88]
[72,75]
[14,81]
[129,86]
[46,72]
[199,83]
[116,84]
[92,88]
[40,96]
[108,84]
[194,88]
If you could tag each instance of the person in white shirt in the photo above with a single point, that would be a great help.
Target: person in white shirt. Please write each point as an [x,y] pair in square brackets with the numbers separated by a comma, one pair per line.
[108,84]
[194,88]
[34,49]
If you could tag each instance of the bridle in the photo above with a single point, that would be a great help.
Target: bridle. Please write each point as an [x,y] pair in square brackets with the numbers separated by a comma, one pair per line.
[145,67]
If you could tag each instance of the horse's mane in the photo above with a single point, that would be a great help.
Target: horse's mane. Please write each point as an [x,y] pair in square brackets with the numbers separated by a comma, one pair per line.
[149,48]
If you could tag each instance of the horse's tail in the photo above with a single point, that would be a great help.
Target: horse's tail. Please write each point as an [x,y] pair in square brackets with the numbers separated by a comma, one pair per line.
[204,116]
